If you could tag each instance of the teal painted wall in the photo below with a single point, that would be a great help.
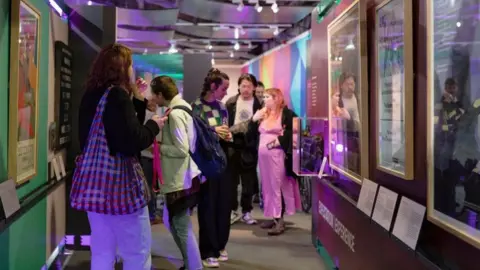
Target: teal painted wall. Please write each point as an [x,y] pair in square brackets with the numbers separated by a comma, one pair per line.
[23,245]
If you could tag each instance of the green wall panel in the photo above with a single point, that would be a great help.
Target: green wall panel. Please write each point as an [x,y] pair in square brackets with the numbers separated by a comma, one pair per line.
[4,45]
[23,245]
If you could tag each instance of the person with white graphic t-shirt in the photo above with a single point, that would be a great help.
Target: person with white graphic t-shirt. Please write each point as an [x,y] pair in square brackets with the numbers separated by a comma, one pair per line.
[243,154]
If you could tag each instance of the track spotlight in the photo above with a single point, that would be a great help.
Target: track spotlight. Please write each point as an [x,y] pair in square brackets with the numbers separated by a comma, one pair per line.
[258,7]
[275,8]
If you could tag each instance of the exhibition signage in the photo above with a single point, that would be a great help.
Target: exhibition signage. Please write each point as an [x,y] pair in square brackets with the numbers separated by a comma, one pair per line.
[350,238]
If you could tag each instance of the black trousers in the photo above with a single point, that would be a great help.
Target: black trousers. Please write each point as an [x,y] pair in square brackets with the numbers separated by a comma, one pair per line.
[249,180]
[214,216]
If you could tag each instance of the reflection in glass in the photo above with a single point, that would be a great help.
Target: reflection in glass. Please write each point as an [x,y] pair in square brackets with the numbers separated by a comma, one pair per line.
[391,88]
[456,110]
[344,68]
[309,136]
[27,91]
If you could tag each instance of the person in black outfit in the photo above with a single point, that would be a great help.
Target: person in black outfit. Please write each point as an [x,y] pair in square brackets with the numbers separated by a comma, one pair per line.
[242,155]
[214,201]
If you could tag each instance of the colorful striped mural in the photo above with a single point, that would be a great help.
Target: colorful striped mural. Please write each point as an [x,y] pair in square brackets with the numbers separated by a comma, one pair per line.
[285,68]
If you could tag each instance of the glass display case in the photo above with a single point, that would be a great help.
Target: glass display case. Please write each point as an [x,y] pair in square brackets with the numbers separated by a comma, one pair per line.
[308,145]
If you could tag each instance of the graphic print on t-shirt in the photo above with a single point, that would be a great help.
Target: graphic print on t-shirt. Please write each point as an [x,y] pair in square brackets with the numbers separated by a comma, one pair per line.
[244,110]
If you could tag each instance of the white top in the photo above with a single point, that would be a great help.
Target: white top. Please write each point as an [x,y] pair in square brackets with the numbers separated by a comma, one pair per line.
[244,110]
[352,107]
[160,111]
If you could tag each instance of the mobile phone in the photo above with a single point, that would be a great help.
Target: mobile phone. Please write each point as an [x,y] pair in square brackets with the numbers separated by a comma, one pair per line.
[270,145]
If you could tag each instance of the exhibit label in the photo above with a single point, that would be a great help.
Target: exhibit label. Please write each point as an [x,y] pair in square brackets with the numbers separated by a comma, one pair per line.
[384,207]
[367,196]
[409,222]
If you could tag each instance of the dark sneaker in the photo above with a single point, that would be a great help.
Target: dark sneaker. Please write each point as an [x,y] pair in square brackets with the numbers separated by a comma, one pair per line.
[267,224]
[278,228]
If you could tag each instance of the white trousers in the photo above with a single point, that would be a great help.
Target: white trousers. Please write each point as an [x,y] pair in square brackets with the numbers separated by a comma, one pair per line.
[130,234]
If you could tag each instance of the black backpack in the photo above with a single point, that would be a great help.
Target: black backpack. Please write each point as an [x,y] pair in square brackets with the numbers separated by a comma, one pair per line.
[209,155]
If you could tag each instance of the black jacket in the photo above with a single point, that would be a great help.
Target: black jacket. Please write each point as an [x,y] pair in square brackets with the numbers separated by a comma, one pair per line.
[286,140]
[125,133]
[248,148]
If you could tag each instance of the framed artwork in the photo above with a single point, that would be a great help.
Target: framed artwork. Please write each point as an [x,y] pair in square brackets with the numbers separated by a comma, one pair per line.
[348,92]
[394,96]
[453,118]
[23,110]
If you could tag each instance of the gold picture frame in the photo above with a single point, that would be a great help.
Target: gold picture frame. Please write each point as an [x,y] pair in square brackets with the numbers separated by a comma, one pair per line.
[456,227]
[406,125]
[23,91]
[357,10]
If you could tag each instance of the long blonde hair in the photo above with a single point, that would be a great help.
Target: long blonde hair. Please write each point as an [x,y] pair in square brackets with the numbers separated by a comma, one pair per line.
[278,98]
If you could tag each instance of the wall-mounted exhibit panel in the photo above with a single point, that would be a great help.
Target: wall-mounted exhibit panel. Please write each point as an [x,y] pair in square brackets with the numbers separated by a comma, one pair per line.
[351,238]
[348,92]
[453,130]
[394,97]
[24,88]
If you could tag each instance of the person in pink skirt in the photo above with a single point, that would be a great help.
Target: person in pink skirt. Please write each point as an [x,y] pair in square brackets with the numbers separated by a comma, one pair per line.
[279,187]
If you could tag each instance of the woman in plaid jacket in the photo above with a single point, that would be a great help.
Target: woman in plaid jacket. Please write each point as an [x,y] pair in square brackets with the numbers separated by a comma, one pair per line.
[108,182]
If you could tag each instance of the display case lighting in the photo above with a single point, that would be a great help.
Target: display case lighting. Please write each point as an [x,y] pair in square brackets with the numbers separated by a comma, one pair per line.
[56,7]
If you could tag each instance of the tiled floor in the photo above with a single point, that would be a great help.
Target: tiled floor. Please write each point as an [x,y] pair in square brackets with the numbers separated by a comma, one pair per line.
[249,248]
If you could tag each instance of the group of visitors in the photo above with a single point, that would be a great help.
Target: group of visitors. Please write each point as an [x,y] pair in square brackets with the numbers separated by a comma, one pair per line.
[121,131]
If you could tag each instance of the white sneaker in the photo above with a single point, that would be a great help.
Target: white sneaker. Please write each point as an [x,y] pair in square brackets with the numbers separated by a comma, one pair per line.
[223,256]
[248,219]
[234,217]
[210,263]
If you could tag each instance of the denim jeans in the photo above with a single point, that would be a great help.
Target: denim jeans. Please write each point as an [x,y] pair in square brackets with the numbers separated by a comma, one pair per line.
[130,234]
[180,226]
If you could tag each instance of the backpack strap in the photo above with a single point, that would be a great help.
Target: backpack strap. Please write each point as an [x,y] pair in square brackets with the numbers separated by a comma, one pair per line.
[183,108]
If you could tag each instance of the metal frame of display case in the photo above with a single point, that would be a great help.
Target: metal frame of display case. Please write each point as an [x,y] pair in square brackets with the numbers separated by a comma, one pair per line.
[408,174]
[438,218]
[363,87]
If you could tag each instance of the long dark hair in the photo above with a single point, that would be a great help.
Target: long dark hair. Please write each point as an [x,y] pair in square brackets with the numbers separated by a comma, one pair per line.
[111,68]
[214,76]
[247,77]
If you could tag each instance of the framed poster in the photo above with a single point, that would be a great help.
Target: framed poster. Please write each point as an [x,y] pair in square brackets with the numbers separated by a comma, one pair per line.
[394,114]
[23,110]
[348,91]
[453,118]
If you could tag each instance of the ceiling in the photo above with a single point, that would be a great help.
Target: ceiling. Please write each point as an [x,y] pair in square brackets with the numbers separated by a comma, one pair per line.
[198,26]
